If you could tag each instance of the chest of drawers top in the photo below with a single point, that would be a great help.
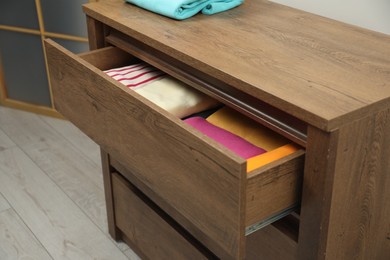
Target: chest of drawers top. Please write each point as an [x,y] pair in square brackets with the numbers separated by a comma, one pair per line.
[321,71]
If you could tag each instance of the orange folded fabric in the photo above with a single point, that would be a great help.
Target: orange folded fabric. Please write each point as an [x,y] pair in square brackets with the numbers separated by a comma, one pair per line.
[255,133]
[265,158]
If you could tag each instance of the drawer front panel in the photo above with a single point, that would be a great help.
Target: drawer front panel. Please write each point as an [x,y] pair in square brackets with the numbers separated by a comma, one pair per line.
[203,182]
[274,188]
[145,228]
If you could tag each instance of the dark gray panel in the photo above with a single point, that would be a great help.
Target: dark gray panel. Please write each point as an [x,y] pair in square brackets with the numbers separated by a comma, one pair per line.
[24,67]
[73,46]
[19,13]
[64,16]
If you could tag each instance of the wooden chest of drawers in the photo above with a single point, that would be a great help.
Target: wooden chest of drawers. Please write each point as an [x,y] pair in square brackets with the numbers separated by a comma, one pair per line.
[173,193]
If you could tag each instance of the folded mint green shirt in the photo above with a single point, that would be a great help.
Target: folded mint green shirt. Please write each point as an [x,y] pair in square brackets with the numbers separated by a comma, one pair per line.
[183,9]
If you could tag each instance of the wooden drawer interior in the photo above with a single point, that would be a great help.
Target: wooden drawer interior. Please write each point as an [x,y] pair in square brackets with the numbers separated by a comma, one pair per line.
[165,154]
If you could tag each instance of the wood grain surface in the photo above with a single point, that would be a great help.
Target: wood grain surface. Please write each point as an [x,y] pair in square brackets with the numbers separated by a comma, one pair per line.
[273,188]
[316,68]
[5,142]
[79,177]
[52,219]
[74,136]
[3,203]
[270,243]
[28,130]
[95,34]
[346,204]
[108,191]
[17,241]
[146,227]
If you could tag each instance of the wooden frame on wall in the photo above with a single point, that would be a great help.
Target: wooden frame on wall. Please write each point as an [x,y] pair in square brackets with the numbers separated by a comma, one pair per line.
[40,109]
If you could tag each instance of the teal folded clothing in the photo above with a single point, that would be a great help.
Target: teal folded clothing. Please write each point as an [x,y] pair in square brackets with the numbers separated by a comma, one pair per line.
[183,9]
[219,6]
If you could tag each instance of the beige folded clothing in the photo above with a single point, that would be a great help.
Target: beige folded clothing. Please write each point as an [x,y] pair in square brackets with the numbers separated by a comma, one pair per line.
[176,97]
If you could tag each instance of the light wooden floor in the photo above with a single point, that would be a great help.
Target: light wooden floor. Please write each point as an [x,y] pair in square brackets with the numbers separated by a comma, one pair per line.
[51,192]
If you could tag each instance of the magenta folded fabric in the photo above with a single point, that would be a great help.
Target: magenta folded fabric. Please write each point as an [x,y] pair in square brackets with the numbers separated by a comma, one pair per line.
[231,141]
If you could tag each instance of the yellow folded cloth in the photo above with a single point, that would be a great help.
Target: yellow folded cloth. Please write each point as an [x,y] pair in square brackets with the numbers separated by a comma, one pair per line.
[247,128]
[265,158]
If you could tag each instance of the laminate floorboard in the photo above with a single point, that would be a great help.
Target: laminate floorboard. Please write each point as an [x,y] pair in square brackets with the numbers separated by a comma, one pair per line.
[56,152]
[77,138]
[5,142]
[89,149]
[130,254]
[43,144]
[74,173]
[17,241]
[3,204]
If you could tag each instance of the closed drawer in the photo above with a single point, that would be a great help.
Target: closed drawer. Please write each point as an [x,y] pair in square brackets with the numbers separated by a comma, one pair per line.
[204,182]
[148,229]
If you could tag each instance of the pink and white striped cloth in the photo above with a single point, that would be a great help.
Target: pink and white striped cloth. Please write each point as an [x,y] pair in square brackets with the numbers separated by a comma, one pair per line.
[136,75]
[163,90]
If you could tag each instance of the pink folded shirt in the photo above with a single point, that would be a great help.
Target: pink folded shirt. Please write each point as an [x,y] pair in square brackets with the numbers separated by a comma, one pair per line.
[236,144]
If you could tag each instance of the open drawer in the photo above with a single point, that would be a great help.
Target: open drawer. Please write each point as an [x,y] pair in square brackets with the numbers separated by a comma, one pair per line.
[205,183]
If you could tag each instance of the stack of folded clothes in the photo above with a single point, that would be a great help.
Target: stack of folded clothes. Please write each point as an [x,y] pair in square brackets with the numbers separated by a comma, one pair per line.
[243,136]
[261,144]
[183,9]
[170,94]
[235,143]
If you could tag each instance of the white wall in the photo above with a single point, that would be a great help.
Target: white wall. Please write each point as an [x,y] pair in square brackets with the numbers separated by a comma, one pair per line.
[370,14]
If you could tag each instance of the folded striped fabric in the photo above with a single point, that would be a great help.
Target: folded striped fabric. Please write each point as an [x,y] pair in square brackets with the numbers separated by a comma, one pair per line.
[136,75]
[163,90]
